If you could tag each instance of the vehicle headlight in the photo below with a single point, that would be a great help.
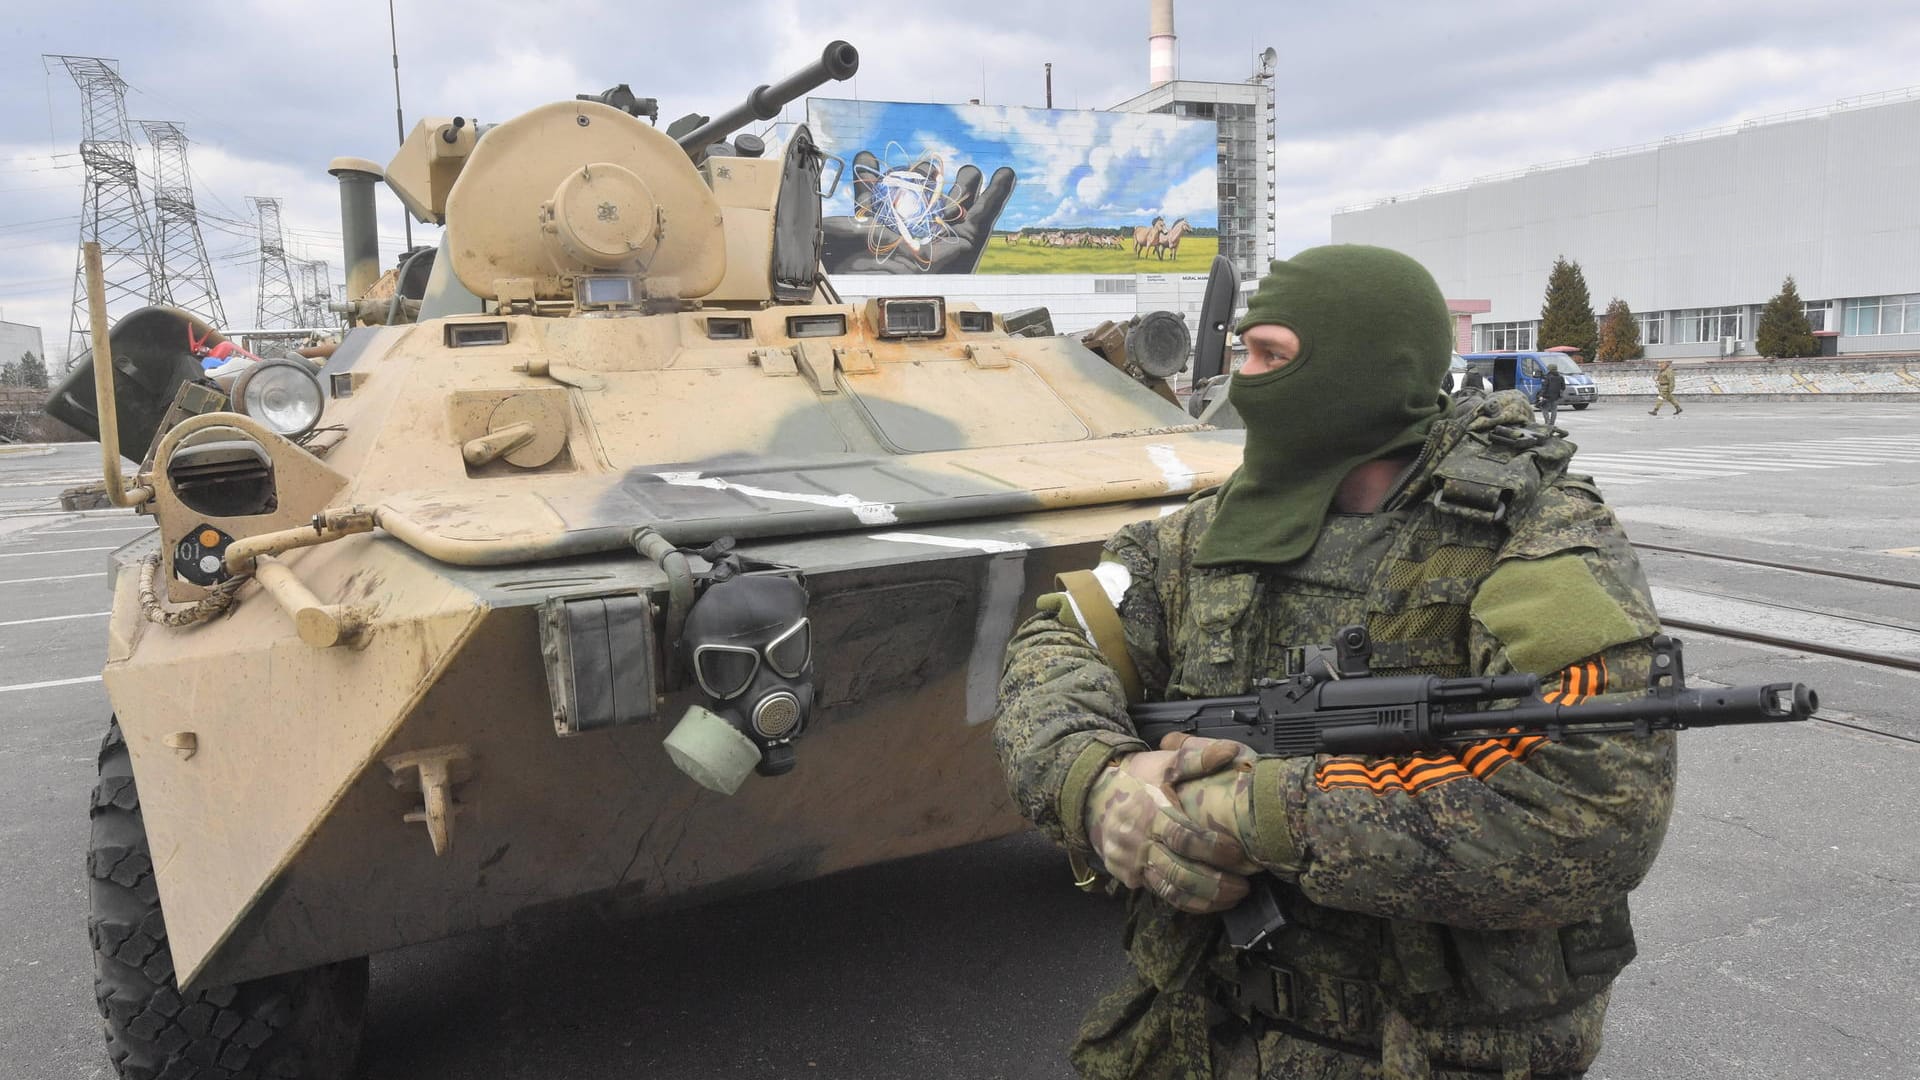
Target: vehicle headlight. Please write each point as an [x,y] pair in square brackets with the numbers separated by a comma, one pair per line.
[283,394]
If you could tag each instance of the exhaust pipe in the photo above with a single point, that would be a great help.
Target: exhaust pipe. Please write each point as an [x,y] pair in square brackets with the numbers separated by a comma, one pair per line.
[358,226]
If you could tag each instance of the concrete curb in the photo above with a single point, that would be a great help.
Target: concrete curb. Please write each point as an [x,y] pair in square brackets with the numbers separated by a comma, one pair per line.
[1805,398]
[1768,380]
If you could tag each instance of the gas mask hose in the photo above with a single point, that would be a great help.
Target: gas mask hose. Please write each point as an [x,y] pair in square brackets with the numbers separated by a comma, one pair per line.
[651,545]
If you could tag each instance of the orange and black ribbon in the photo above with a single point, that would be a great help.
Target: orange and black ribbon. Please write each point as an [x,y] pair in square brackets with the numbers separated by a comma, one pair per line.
[1479,760]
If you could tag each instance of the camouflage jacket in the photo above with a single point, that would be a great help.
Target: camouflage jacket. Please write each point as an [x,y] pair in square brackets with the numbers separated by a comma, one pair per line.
[1473,899]
[1663,380]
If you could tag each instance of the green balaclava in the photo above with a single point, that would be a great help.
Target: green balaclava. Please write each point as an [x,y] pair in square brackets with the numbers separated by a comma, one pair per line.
[1375,343]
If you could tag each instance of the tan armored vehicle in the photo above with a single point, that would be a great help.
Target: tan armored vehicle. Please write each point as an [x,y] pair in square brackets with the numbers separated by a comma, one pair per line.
[635,567]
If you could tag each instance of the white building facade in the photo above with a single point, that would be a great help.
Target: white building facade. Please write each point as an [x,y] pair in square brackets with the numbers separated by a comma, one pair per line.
[19,338]
[1695,233]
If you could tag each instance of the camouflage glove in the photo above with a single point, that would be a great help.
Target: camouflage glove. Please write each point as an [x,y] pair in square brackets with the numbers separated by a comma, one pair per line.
[1221,801]
[1142,838]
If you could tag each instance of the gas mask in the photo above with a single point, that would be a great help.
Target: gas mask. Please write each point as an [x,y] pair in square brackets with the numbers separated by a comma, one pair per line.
[749,646]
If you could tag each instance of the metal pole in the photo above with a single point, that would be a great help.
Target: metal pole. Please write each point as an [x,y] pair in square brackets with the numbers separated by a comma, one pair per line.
[119,493]
[399,121]
[1049,86]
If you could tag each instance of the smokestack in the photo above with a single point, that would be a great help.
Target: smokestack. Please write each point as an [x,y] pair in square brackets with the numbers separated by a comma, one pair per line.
[1160,59]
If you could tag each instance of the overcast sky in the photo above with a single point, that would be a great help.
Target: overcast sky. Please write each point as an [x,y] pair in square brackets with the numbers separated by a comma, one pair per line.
[1374,99]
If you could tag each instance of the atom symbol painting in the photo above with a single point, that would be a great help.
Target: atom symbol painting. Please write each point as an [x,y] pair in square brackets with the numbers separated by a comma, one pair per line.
[900,201]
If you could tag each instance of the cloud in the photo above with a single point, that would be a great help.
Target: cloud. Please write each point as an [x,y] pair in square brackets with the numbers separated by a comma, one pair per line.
[1196,195]
[1372,100]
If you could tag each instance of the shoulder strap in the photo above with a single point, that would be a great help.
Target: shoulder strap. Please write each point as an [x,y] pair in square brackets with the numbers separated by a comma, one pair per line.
[1098,616]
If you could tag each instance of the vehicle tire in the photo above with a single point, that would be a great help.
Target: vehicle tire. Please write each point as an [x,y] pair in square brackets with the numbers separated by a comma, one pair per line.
[303,1025]
[1582,407]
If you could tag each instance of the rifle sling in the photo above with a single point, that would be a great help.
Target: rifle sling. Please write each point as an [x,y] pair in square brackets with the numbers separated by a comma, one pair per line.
[1101,621]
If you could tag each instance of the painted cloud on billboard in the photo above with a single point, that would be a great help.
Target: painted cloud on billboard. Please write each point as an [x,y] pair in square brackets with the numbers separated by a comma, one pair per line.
[955,189]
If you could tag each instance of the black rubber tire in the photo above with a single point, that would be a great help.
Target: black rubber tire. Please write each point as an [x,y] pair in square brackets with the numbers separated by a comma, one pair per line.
[304,1025]
[1582,407]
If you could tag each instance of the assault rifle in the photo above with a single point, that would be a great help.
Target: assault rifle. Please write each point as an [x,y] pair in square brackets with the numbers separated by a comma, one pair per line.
[1329,704]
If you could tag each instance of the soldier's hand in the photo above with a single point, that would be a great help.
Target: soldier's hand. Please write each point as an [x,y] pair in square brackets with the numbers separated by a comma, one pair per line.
[1220,799]
[1143,840]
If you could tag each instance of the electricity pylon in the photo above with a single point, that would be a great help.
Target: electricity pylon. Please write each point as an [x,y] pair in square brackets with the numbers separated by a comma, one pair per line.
[316,292]
[179,251]
[276,306]
[112,213]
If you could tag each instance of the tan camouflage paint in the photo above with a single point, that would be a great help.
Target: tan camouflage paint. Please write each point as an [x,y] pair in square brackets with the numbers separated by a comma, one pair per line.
[929,489]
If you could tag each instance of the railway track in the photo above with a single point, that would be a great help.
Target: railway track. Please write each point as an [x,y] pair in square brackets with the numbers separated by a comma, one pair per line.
[1763,636]
[1796,568]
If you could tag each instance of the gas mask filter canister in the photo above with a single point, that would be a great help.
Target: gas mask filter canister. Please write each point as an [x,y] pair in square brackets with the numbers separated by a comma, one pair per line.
[749,645]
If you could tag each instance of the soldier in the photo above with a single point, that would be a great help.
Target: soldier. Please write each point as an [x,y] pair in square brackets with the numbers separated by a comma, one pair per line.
[1663,382]
[1450,914]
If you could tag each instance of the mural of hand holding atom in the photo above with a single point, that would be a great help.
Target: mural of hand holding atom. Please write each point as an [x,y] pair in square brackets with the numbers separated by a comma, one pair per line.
[903,223]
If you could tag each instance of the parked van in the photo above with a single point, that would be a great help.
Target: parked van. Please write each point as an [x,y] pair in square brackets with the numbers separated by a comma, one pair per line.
[1523,371]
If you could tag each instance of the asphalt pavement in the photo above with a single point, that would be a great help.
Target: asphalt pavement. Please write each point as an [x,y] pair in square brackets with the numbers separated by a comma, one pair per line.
[1779,932]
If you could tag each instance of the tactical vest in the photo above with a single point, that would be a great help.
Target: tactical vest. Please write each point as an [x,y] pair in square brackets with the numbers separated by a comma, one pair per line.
[1409,573]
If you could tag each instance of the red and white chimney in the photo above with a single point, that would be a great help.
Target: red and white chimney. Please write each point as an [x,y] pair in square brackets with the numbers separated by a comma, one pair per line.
[1162,66]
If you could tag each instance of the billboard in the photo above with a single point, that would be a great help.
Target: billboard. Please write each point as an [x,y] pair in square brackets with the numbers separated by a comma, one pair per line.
[962,189]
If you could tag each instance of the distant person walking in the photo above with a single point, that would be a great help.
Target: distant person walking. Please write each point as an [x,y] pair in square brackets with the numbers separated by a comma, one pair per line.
[1472,380]
[1552,386]
[1663,382]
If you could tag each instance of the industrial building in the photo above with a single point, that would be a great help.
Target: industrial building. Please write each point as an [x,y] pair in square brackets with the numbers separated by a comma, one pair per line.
[1243,116]
[17,339]
[1244,113]
[1695,232]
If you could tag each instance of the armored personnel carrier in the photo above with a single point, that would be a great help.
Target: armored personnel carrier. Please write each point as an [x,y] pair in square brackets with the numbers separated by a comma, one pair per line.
[625,564]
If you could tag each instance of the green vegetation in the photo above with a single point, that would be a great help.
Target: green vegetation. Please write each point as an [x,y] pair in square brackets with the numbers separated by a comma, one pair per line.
[1195,257]
[29,371]
[1566,316]
[1784,330]
[1619,334]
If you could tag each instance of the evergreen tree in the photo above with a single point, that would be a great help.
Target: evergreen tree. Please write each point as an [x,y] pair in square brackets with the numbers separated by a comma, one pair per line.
[9,375]
[1784,330]
[1619,334]
[32,371]
[1566,316]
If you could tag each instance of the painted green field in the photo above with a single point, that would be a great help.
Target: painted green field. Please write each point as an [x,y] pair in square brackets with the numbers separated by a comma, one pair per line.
[1196,256]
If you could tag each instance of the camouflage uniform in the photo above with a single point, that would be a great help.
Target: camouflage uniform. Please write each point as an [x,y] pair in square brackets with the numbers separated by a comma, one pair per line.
[1663,384]
[1451,913]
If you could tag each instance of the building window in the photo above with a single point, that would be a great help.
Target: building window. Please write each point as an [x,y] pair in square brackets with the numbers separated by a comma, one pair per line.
[1506,337]
[1816,313]
[1694,325]
[1882,315]
[1653,327]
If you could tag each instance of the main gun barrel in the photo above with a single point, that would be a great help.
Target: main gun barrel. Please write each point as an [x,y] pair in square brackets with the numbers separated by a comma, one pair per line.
[837,62]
